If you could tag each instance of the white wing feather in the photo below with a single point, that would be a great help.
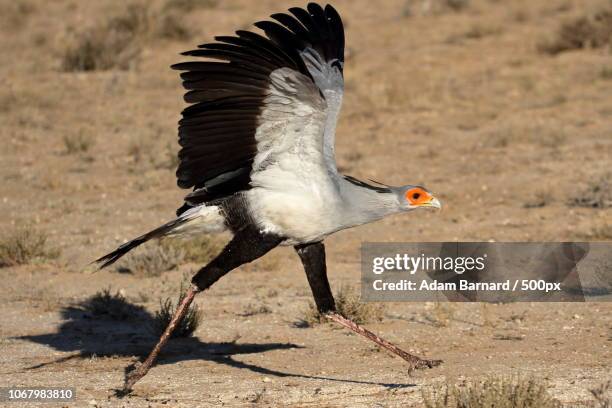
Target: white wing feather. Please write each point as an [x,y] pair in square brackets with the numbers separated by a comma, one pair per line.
[295,182]
[329,80]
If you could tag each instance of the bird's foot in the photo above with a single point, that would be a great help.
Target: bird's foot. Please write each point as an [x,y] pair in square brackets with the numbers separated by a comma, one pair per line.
[416,363]
[133,373]
[421,363]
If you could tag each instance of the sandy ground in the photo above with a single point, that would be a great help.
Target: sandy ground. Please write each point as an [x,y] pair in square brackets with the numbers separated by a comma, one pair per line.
[461,102]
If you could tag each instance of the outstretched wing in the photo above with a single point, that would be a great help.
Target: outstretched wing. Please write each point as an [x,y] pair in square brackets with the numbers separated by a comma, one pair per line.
[255,96]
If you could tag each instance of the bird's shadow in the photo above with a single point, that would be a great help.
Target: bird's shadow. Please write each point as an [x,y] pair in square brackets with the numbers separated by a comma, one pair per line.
[128,334]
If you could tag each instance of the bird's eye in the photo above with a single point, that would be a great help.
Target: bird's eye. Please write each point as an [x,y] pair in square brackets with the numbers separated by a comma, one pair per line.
[415,195]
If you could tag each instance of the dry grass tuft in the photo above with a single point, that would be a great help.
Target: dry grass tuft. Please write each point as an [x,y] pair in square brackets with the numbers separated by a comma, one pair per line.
[153,260]
[111,44]
[137,150]
[598,194]
[540,134]
[583,32]
[117,42]
[25,245]
[14,14]
[112,306]
[348,305]
[433,7]
[158,257]
[190,5]
[603,395]
[253,310]
[162,317]
[145,154]
[478,31]
[606,73]
[171,158]
[171,26]
[599,233]
[78,143]
[492,392]
[442,314]
[540,198]
[200,250]
[456,5]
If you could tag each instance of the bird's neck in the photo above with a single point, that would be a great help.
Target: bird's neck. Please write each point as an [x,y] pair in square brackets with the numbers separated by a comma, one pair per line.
[364,203]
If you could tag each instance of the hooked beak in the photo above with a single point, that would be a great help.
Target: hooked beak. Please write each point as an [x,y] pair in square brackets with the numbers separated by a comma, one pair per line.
[433,203]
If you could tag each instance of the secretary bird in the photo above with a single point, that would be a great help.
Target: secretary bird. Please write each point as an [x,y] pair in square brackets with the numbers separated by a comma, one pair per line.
[257,147]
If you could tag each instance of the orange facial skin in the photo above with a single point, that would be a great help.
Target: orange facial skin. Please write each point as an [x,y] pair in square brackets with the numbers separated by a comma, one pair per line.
[417,196]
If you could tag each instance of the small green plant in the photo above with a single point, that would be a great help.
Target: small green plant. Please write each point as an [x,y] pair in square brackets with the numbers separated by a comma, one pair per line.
[25,245]
[113,306]
[478,31]
[456,5]
[349,306]
[606,73]
[163,316]
[492,393]
[190,5]
[78,143]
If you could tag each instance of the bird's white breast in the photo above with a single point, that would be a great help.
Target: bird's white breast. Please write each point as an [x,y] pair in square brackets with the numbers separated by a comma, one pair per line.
[300,203]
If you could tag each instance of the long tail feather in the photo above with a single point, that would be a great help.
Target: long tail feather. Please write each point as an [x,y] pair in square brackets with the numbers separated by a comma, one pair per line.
[110,258]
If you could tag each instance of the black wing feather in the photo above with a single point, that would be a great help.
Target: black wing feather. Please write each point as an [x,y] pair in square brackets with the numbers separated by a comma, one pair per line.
[227,91]
[292,24]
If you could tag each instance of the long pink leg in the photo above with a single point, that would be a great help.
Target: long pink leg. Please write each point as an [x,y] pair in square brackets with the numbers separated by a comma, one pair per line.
[414,361]
[247,245]
[313,259]
[143,368]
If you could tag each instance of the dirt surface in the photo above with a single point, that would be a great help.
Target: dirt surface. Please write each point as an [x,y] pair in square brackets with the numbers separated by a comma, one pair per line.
[458,100]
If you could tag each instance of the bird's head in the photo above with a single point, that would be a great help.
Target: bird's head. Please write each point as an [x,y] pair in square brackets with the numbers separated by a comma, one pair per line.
[392,199]
[413,197]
